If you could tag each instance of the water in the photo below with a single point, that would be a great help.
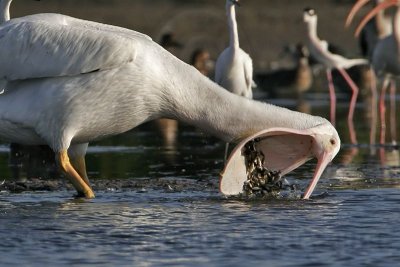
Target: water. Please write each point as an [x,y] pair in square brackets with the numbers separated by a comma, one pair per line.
[351,220]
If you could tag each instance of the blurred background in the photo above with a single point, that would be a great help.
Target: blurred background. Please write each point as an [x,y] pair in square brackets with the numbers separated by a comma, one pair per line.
[266,28]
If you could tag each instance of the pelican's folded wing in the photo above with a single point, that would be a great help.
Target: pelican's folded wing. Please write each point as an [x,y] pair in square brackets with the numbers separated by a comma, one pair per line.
[37,49]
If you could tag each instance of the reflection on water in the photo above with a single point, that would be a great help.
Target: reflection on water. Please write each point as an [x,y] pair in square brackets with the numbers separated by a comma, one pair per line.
[198,229]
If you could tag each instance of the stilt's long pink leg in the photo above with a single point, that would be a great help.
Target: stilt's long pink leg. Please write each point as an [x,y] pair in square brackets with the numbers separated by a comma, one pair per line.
[352,132]
[332,96]
[354,95]
[353,101]
[393,126]
[382,110]
[374,98]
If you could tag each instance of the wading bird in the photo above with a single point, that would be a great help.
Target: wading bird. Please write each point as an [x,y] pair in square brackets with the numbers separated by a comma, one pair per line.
[319,50]
[75,81]
[374,31]
[234,67]
[385,60]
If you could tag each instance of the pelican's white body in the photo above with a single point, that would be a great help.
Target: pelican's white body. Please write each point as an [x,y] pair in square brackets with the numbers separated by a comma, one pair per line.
[71,81]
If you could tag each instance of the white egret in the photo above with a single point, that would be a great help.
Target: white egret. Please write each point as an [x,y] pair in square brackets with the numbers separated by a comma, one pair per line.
[319,50]
[76,81]
[234,67]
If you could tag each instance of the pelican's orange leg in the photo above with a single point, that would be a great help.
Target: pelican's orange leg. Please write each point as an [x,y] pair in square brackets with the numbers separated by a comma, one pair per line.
[77,181]
[79,165]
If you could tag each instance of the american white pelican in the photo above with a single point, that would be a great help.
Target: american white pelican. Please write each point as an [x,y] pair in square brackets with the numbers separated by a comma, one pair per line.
[319,50]
[385,60]
[77,81]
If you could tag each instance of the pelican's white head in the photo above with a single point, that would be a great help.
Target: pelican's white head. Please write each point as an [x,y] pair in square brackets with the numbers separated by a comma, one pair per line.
[326,145]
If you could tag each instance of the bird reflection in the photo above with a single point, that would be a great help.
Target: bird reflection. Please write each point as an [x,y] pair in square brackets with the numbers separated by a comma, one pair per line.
[168,128]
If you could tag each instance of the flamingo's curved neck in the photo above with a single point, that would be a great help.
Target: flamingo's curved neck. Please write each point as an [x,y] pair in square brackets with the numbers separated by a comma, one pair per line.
[233,31]
[5,10]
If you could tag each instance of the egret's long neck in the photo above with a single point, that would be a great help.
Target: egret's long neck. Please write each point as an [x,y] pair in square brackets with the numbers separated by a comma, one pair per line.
[233,31]
[312,29]
[5,10]
[196,100]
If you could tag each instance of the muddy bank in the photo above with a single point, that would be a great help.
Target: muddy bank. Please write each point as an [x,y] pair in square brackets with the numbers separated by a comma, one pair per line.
[134,184]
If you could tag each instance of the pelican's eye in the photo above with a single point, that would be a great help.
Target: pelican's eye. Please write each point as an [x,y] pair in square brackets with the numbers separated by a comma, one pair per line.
[332,141]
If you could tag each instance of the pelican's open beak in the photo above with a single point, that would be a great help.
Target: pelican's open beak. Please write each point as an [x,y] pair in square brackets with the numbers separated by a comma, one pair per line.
[323,161]
[354,10]
[284,149]
[373,12]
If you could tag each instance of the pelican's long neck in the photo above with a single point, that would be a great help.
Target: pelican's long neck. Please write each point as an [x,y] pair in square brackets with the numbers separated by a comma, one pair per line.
[5,10]
[196,100]
[233,31]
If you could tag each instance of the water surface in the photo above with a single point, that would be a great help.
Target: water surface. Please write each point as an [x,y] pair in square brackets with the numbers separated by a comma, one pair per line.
[351,220]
